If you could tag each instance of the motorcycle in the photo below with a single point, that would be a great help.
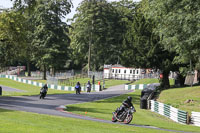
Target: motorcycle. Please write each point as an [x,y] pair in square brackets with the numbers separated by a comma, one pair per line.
[88,88]
[43,93]
[78,90]
[126,116]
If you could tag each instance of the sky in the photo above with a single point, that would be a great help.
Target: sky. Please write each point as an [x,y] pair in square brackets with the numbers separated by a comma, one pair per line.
[8,4]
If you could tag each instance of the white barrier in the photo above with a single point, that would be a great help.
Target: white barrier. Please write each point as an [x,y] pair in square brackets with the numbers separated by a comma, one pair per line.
[52,86]
[195,118]
[169,111]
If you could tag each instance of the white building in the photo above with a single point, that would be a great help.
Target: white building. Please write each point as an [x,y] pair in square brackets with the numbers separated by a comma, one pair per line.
[121,72]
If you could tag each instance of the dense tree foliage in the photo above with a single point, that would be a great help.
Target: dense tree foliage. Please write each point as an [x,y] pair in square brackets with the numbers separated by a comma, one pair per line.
[145,49]
[95,34]
[33,30]
[12,37]
[155,34]
[51,41]
[178,26]
[26,8]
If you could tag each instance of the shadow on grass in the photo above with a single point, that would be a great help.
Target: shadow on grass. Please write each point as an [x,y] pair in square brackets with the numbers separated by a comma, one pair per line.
[83,110]
[115,102]
[5,110]
[120,99]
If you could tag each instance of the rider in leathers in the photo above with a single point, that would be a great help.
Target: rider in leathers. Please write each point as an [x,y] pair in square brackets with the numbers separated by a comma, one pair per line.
[44,89]
[126,104]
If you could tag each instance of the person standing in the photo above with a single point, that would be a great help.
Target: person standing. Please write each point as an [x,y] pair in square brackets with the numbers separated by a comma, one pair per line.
[99,83]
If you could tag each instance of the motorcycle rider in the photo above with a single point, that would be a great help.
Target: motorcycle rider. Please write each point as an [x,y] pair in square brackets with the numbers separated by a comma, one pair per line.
[125,104]
[44,89]
[88,86]
[78,88]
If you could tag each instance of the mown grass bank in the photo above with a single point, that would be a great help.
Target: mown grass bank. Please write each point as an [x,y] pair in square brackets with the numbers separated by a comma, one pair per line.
[28,89]
[23,122]
[177,97]
[103,109]
[150,81]
[34,90]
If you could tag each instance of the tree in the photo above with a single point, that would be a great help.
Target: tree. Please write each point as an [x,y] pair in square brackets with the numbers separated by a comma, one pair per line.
[51,41]
[125,11]
[26,8]
[146,50]
[178,26]
[12,37]
[94,34]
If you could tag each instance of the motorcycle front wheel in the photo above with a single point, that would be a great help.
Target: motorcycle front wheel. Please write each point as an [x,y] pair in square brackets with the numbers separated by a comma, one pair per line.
[128,119]
[114,119]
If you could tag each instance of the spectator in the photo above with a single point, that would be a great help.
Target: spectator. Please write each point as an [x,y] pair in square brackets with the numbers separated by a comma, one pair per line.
[99,83]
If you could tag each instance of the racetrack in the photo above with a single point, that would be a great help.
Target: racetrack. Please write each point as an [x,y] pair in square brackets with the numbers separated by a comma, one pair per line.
[50,105]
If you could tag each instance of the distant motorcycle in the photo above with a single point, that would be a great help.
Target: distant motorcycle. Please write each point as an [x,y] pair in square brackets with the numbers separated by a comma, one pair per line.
[126,116]
[43,93]
[78,89]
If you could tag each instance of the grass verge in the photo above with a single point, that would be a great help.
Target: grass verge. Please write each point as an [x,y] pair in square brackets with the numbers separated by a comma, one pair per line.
[177,97]
[103,109]
[23,122]
[28,89]
[150,81]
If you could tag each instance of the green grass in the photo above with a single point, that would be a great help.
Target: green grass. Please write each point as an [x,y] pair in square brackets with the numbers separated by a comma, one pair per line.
[40,81]
[150,81]
[113,82]
[177,97]
[103,109]
[23,122]
[34,90]
[29,89]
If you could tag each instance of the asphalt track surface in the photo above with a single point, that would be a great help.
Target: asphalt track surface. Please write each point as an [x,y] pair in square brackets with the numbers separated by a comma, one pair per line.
[52,104]
[5,88]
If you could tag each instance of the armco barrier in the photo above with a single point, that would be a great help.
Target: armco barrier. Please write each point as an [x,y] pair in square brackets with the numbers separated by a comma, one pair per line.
[2,76]
[51,86]
[195,118]
[136,87]
[170,112]
[141,86]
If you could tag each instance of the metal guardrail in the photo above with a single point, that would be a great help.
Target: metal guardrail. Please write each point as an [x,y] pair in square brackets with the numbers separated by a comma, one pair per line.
[140,86]
[170,112]
[52,86]
[195,118]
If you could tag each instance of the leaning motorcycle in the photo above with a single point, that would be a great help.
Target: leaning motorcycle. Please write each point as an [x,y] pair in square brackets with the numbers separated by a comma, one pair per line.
[125,116]
[43,93]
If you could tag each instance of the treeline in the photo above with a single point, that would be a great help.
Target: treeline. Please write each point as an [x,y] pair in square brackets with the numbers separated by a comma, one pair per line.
[155,34]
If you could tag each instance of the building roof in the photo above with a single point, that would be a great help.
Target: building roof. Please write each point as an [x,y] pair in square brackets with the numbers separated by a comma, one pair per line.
[111,66]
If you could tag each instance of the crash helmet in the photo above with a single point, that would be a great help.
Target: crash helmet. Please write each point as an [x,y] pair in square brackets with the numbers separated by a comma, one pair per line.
[129,98]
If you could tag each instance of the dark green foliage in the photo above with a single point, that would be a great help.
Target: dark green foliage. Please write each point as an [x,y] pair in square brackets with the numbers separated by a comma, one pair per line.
[145,49]
[51,41]
[12,37]
[178,25]
[95,25]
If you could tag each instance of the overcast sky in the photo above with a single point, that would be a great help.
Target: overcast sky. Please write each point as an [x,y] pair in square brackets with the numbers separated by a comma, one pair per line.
[8,4]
